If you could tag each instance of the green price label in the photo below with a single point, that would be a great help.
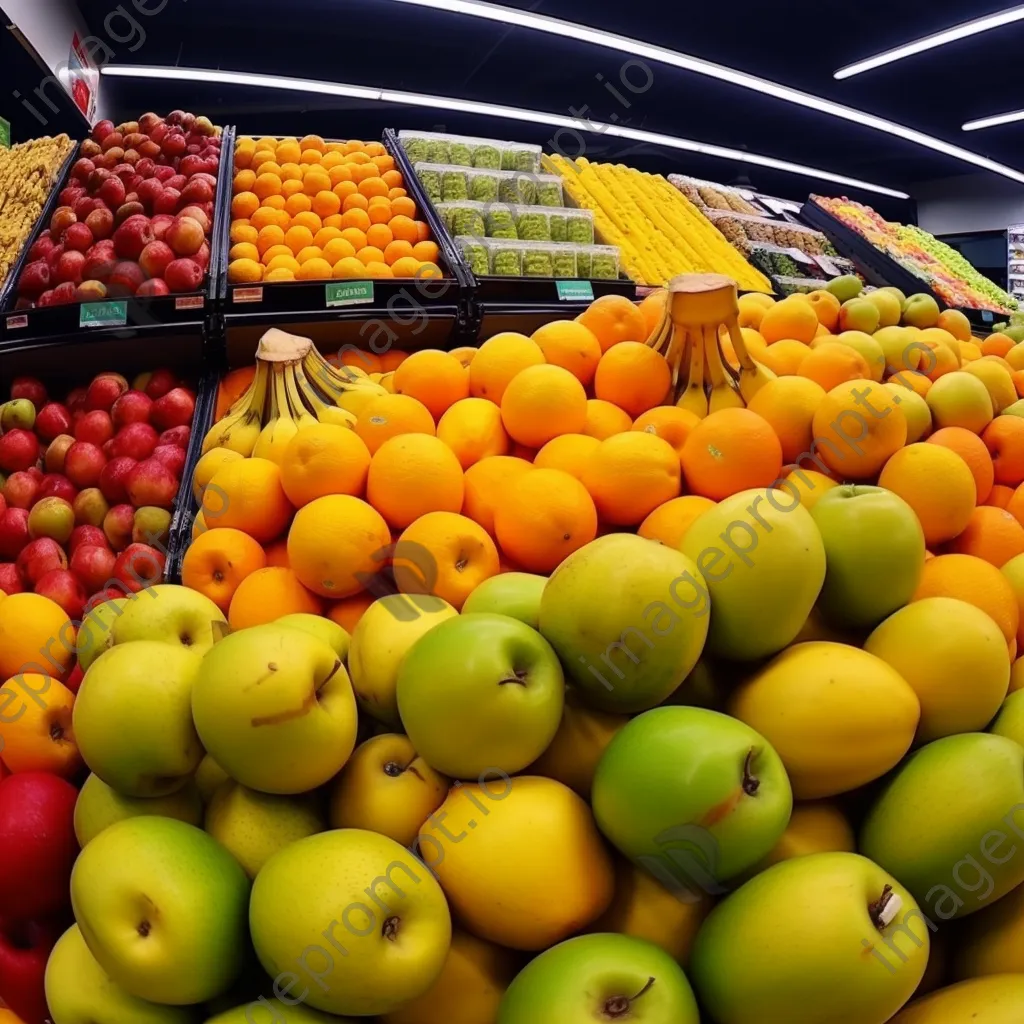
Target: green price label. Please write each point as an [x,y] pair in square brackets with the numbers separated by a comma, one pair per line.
[103,314]
[5,133]
[575,291]
[987,316]
[349,293]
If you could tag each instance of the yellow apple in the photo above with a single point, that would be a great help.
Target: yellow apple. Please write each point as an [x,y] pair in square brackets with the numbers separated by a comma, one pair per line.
[209,775]
[330,632]
[98,807]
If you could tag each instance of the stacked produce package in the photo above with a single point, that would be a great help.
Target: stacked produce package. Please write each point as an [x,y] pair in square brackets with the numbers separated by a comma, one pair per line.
[942,268]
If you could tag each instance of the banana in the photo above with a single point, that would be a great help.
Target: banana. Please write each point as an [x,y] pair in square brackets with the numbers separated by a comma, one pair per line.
[350,393]
[300,412]
[240,430]
[753,376]
[281,428]
[324,413]
[723,391]
[693,397]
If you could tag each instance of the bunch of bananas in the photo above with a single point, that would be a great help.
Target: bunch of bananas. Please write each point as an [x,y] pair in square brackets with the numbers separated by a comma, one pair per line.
[699,308]
[28,172]
[294,388]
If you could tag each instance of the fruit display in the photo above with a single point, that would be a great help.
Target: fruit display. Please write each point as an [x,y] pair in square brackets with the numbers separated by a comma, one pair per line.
[135,216]
[943,269]
[87,486]
[314,210]
[28,172]
[466,151]
[659,232]
[707,195]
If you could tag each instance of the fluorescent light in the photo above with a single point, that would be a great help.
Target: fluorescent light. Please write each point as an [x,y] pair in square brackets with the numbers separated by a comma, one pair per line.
[489,110]
[949,35]
[638,48]
[996,119]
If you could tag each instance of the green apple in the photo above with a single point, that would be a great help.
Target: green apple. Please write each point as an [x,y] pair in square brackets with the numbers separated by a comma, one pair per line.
[888,305]
[381,640]
[874,554]
[209,775]
[677,780]
[992,941]
[798,943]
[1017,409]
[98,807]
[1010,720]
[516,594]
[94,633]
[948,821]
[959,399]
[764,562]
[1015,332]
[253,826]
[602,977]
[895,291]
[133,718]
[844,288]
[78,991]
[995,1000]
[386,787]
[274,707]
[330,632]
[351,920]
[480,692]
[629,618]
[162,907]
[273,1011]
[921,311]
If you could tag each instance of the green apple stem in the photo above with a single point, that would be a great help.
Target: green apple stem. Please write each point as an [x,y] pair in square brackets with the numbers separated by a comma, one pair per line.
[884,910]
[390,929]
[618,1006]
[394,769]
[518,676]
[751,783]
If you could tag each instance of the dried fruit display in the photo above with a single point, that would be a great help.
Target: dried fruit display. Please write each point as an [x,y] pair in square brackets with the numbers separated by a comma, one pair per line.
[708,195]
[28,173]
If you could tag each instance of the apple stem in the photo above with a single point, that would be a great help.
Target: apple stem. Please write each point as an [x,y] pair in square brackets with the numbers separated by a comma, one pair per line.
[518,676]
[390,929]
[618,1006]
[885,908]
[56,731]
[751,783]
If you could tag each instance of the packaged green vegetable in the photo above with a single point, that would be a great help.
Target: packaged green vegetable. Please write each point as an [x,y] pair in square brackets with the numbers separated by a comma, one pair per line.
[499,218]
[584,261]
[431,182]
[461,155]
[417,150]
[548,192]
[520,160]
[487,157]
[483,188]
[558,226]
[517,188]
[506,262]
[506,232]
[438,152]
[580,230]
[604,267]
[453,186]
[533,227]
[564,263]
[537,263]
[476,256]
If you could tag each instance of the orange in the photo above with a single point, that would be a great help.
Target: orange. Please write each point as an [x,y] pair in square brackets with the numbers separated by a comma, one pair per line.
[348,612]
[670,423]
[612,319]
[315,182]
[379,235]
[322,460]
[245,204]
[424,250]
[276,202]
[789,404]
[404,229]
[349,267]
[308,219]
[243,181]
[997,345]
[244,271]
[355,201]
[355,218]
[465,355]
[232,387]
[392,359]
[429,271]
[605,419]
[244,251]
[540,403]
[370,254]
[444,554]
[297,238]
[316,269]
[37,734]
[268,183]
[297,204]
[436,378]
[368,362]
[401,193]
[403,207]
[833,364]
[730,451]
[826,308]
[275,251]
[280,274]
[373,186]
[243,231]
[325,204]
[388,416]
[633,377]
[975,581]
[545,516]
[218,561]
[972,450]
[32,628]
[791,319]
[248,496]
[937,484]
[668,523]
[413,474]
[938,358]
[405,266]
[653,309]
[337,249]
[572,346]
[267,216]
[395,251]
[269,169]
[291,187]
[1004,438]
[355,237]
[784,358]
[570,453]
[277,554]
[1000,497]
[345,186]
[288,151]
[857,428]
[630,475]
[311,252]
[472,429]
[1018,382]
[498,360]
[487,485]
[269,594]
[992,534]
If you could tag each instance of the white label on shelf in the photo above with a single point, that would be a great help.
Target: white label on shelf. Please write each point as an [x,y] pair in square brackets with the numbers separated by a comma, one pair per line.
[247,295]
[14,322]
[777,206]
[190,302]
[800,256]
[828,266]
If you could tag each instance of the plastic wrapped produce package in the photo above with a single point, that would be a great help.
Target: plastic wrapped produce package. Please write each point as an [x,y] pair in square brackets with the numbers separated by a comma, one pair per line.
[438,151]
[483,185]
[533,227]
[538,263]
[487,158]
[520,158]
[564,262]
[506,259]
[475,254]
[580,227]
[517,187]
[558,225]
[604,264]
[416,149]
[549,190]
[453,185]
[461,154]
[430,179]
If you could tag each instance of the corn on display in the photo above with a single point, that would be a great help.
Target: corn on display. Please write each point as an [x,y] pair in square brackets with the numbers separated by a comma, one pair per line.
[659,232]
[28,172]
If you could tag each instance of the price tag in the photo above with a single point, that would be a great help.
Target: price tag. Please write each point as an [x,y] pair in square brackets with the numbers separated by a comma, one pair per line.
[14,322]
[575,291]
[777,206]
[986,315]
[799,255]
[349,293]
[103,314]
[5,134]
[247,295]
[190,302]
[828,266]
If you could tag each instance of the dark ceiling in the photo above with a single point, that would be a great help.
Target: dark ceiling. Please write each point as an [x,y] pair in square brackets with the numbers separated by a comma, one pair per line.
[799,43]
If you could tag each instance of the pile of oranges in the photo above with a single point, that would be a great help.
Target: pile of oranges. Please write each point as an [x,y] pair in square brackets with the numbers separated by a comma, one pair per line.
[310,210]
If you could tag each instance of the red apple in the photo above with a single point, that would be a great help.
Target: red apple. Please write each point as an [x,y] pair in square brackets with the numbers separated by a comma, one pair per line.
[103,392]
[164,173]
[148,122]
[172,457]
[53,420]
[112,191]
[126,278]
[67,291]
[91,291]
[25,947]
[63,217]
[168,200]
[31,390]
[84,206]
[101,130]
[19,449]
[39,557]
[202,257]
[79,237]
[197,213]
[54,258]
[154,287]
[98,177]
[175,117]
[131,407]
[84,462]
[152,483]
[145,166]
[41,248]
[93,564]
[65,589]
[56,485]
[10,582]
[114,479]
[174,409]
[185,236]
[21,491]
[178,182]
[191,165]
[149,190]
[71,265]
[35,278]
[132,237]
[82,168]
[82,536]
[156,257]
[135,441]
[101,223]
[56,453]
[139,566]
[13,532]
[174,144]
[113,140]
[131,207]
[99,266]
[176,435]
[198,190]
[95,427]
[132,156]
[90,507]
[76,400]
[118,525]
[184,275]
[161,222]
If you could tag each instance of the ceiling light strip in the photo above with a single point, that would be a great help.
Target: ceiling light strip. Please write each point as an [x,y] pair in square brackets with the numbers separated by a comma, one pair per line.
[996,119]
[489,110]
[640,49]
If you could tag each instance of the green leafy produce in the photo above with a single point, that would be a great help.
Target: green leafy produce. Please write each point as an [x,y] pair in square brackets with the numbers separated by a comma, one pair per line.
[476,256]
[538,264]
[509,232]
[499,219]
[483,188]
[468,222]
[438,152]
[584,264]
[559,227]
[417,150]
[461,155]
[431,182]
[604,267]
[533,227]
[565,264]
[517,188]
[548,193]
[581,230]
[487,157]
[507,263]
[519,160]
[453,186]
